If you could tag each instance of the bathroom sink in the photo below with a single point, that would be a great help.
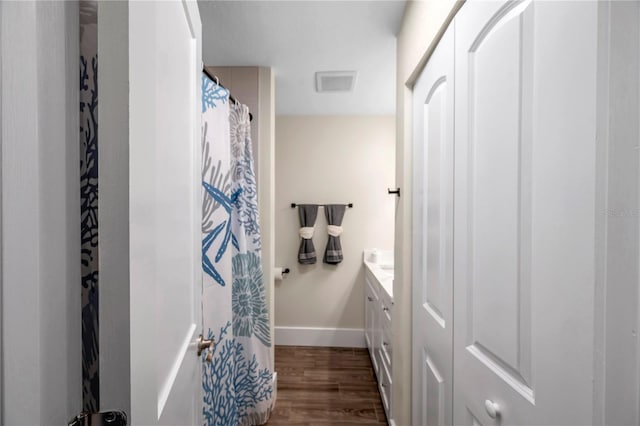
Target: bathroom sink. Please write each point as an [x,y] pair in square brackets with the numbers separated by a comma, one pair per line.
[380,266]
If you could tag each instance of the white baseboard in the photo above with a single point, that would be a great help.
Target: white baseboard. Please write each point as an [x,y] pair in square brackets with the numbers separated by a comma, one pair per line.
[312,336]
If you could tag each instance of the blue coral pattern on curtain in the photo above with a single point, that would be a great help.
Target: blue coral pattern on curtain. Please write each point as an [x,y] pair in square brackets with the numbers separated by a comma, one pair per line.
[249,301]
[237,383]
[89,202]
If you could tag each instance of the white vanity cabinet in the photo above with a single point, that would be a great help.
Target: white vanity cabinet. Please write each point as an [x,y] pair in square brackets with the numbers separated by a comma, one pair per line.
[378,309]
[384,350]
[371,308]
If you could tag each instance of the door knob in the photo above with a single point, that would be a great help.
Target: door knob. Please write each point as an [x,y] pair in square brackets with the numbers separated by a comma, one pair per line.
[493,409]
[203,344]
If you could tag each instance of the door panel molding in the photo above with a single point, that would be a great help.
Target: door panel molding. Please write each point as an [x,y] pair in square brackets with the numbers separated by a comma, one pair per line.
[499,196]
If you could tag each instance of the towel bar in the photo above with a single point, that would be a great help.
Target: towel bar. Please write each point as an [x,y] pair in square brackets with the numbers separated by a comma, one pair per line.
[294,205]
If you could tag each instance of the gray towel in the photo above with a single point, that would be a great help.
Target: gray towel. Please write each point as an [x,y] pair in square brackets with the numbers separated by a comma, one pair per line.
[334,214]
[308,214]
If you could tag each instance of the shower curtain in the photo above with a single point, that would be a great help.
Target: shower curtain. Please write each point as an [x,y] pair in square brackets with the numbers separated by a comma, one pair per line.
[88,98]
[237,383]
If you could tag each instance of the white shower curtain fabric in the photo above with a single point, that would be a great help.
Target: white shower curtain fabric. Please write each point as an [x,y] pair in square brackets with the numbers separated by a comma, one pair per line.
[237,383]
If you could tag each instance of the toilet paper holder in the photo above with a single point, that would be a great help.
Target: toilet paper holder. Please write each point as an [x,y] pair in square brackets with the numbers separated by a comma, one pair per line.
[280,273]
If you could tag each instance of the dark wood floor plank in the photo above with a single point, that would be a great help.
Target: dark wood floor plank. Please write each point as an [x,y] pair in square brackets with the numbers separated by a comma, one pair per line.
[326,386]
[360,390]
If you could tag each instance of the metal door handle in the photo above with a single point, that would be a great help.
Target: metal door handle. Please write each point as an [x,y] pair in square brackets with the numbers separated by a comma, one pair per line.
[103,418]
[394,191]
[493,409]
[204,344]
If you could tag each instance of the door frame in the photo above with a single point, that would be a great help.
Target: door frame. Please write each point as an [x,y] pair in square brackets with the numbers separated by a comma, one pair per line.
[616,369]
[40,200]
[113,205]
[1,240]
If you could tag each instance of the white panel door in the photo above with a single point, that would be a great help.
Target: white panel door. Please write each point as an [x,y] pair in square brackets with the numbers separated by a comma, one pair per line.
[165,264]
[433,97]
[524,212]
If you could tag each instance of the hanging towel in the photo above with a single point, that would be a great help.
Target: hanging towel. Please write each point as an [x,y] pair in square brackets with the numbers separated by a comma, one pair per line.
[308,214]
[334,214]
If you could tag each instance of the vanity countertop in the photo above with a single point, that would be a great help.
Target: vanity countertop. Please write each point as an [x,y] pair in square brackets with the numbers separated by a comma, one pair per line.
[380,264]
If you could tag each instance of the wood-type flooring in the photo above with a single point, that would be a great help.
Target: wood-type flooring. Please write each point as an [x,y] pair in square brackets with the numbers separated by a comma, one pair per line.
[320,386]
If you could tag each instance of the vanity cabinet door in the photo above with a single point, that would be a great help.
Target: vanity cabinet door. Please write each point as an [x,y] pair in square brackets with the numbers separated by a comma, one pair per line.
[371,321]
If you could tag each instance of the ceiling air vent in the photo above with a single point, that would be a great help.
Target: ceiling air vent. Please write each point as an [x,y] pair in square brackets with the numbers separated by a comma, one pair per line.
[335,81]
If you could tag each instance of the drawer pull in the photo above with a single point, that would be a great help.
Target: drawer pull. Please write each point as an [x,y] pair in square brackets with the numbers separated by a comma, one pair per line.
[385,343]
[385,309]
[369,298]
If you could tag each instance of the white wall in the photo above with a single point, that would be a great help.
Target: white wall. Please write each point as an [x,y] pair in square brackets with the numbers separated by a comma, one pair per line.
[423,24]
[331,159]
[266,179]
[40,213]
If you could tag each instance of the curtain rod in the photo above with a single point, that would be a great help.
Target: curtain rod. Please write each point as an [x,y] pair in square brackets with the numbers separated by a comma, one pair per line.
[217,80]
[350,205]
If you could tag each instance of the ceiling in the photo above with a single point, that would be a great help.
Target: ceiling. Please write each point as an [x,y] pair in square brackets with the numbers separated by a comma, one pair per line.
[298,38]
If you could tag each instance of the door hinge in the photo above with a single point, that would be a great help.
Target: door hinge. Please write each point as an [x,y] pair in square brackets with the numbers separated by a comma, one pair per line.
[103,418]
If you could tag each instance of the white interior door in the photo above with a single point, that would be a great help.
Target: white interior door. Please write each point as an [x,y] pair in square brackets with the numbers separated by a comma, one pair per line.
[433,97]
[525,212]
[164,170]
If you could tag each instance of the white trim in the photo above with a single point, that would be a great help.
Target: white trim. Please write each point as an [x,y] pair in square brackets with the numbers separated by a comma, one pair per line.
[1,306]
[265,156]
[392,422]
[315,336]
[114,292]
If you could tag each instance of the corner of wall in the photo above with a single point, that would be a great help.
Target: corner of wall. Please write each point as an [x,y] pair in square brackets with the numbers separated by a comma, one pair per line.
[266,187]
